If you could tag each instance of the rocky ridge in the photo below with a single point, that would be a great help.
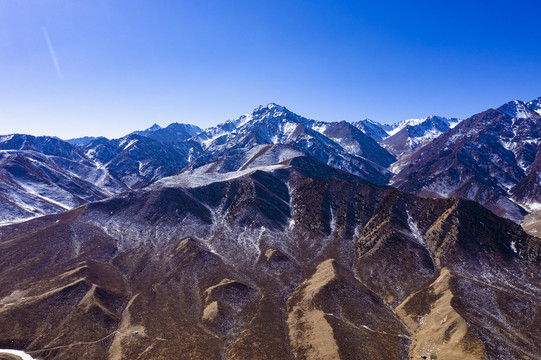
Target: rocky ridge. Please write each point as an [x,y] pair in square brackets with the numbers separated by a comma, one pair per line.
[490,158]
[296,261]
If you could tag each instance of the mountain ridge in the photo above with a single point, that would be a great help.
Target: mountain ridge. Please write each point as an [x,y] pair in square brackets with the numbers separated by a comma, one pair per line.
[143,157]
[274,259]
[274,236]
[494,147]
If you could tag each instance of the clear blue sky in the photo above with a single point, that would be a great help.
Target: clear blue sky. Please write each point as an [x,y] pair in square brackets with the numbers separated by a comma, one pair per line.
[102,67]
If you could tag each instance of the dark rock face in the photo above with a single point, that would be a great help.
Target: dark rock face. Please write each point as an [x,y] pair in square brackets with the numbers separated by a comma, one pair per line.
[283,263]
[488,158]
[174,133]
[74,172]
[44,175]
[528,190]
[139,160]
[415,133]
[373,129]
[355,142]
[266,238]
[339,145]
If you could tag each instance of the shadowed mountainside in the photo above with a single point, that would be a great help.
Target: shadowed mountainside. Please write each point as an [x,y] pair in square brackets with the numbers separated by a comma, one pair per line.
[490,158]
[297,261]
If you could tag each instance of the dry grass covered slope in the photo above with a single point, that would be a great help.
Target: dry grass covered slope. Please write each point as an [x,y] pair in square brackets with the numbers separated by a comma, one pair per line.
[296,262]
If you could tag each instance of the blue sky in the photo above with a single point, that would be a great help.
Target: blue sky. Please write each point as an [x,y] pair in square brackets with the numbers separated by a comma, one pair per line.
[97,67]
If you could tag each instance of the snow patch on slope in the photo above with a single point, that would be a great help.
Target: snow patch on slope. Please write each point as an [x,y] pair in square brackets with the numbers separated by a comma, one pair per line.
[415,230]
[516,109]
[396,127]
[198,177]
[21,354]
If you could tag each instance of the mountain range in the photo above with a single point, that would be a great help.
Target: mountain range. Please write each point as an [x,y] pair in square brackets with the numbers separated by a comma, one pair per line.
[274,236]
[491,158]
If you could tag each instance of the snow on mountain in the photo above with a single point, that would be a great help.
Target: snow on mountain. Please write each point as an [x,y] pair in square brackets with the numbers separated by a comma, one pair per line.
[60,156]
[535,105]
[274,124]
[409,134]
[507,151]
[491,158]
[404,136]
[516,109]
[268,157]
[354,141]
[147,131]
[220,134]
[174,133]
[81,141]
[422,123]
[44,175]
[373,129]
[138,160]
[46,145]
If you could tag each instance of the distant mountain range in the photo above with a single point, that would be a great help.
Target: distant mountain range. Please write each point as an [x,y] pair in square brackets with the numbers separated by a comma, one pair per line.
[404,136]
[273,236]
[491,158]
[495,163]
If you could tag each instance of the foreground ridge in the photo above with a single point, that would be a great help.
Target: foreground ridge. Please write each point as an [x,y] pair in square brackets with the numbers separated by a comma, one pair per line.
[297,260]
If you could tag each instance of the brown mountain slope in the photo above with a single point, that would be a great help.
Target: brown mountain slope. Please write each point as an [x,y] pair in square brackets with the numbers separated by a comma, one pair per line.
[486,158]
[280,264]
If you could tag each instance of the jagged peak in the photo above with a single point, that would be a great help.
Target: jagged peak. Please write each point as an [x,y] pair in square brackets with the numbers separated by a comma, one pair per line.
[370,121]
[151,129]
[181,124]
[513,103]
[32,138]
[535,105]
[516,109]
[429,121]
[414,122]
[270,106]
[154,127]
[264,113]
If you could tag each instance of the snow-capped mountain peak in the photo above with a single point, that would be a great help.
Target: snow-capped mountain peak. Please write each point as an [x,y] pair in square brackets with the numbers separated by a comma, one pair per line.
[516,109]
[396,127]
[272,111]
[262,114]
[338,144]
[149,130]
[374,129]
[385,127]
[408,134]
[173,133]
[270,106]
[535,105]
[154,127]
[432,121]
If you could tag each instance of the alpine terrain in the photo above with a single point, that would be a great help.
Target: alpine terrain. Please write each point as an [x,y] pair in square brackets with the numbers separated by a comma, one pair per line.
[274,236]
[491,158]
